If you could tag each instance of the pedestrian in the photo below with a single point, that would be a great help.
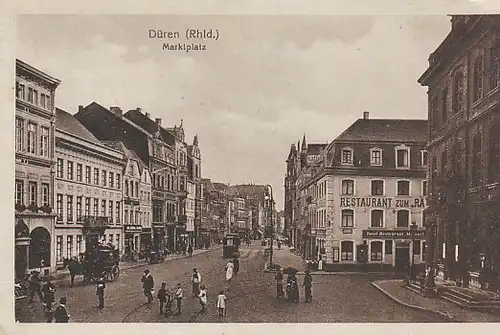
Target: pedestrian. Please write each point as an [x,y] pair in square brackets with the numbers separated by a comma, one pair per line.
[308,286]
[279,284]
[178,299]
[148,285]
[203,298]
[190,250]
[49,292]
[320,263]
[221,304]
[196,280]
[236,263]
[100,292]
[229,271]
[35,286]
[61,313]
[162,296]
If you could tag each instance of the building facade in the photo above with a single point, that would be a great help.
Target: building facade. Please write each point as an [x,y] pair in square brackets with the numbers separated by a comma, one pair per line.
[34,170]
[464,151]
[88,188]
[362,197]
[201,232]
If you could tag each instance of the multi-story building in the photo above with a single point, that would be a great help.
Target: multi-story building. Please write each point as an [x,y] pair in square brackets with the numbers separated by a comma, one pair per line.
[181,160]
[34,178]
[253,195]
[214,210]
[136,201]
[363,196]
[194,171]
[168,217]
[464,151]
[151,145]
[290,196]
[190,210]
[88,188]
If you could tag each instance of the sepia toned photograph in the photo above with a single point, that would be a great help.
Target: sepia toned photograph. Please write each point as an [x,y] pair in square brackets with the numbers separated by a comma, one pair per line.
[257,169]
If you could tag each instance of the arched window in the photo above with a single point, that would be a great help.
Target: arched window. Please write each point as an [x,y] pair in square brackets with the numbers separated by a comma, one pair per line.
[478,78]
[458,92]
[347,250]
[444,106]
[376,248]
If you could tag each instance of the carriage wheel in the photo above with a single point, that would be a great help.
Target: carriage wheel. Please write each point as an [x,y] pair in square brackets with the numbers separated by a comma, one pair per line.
[115,273]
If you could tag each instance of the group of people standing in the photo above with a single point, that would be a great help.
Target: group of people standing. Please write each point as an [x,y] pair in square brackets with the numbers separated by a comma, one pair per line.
[166,297]
[292,286]
[47,294]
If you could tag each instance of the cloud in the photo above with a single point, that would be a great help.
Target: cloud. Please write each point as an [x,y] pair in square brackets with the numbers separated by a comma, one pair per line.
[255,91]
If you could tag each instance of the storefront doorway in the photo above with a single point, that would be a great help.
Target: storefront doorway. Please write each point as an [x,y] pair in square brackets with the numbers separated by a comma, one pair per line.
[402,257]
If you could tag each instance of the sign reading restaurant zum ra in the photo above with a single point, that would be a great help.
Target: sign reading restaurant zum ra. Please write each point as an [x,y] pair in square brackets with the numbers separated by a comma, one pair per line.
[382,202]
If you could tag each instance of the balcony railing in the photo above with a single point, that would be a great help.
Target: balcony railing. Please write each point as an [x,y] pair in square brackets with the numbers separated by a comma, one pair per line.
[95,221]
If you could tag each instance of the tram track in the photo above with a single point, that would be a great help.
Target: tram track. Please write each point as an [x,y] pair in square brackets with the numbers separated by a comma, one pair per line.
[214,271]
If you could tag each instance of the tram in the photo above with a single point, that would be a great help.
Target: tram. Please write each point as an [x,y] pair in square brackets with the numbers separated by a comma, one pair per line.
[230,245]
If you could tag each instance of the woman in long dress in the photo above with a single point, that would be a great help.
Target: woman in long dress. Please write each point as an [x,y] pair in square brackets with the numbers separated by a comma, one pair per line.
[229,271]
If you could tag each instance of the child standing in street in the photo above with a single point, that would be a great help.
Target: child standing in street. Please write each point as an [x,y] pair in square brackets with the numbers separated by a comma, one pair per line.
[203,298]
[162,296]
[221,304]
[178,298]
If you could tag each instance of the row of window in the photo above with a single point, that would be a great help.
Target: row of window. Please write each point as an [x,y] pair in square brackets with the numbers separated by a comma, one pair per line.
[85,206]
[377,218]
[402,159]
[319,219]
[31,193]
[100,177]
[159,215]
[377,249]
[32,96]
[478,150]
[75,245]
[377,187]
[136,217]
[32,138]
[439,104]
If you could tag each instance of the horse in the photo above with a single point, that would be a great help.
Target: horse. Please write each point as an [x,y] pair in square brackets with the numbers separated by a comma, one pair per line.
[75,268]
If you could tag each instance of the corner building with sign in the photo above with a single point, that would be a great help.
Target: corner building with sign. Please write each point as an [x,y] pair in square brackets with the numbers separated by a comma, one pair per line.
[371,184]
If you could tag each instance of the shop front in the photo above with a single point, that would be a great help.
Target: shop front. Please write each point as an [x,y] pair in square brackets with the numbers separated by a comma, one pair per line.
[204,238]
[159,238]
[132,238]
[145,242]
[22,246]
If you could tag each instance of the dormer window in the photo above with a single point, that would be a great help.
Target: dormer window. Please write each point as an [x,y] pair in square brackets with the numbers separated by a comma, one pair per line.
[347,156]
[402,157]
[376,157]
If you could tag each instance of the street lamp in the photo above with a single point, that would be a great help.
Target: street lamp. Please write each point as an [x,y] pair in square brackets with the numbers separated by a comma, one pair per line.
[413,231]
[269,197]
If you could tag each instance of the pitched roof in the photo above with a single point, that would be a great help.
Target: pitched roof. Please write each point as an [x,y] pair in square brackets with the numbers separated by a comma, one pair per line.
[120,146]
[149,125]
[385,130]
[249,190]
[68,123]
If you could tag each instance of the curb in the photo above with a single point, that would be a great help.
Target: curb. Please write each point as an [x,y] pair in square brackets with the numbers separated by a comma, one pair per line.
[447,316]
[66,276]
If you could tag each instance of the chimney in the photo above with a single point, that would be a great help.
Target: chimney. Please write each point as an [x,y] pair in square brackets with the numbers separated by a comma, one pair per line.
[158,121]
[366,115]
[148,115]
[116,110]
[139,109]
[80,108]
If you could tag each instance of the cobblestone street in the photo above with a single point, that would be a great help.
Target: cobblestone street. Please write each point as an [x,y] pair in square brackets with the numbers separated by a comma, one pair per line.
[251,296]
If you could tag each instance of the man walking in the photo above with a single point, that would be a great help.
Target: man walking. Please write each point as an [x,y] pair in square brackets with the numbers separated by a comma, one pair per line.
[196,280]
[61,313]
[148,285]
[162,296]
[308,285]
[35,287]
[100,292]
[190,250]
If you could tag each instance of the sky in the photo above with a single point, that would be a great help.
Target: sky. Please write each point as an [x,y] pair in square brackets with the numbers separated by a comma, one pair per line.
[263,84]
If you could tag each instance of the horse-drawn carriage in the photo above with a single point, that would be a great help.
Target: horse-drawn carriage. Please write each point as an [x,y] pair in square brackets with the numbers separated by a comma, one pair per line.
[101,261]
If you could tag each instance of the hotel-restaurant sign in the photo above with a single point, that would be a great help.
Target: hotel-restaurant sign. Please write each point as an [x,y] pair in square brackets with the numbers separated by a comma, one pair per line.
[394,234]
[382,202]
